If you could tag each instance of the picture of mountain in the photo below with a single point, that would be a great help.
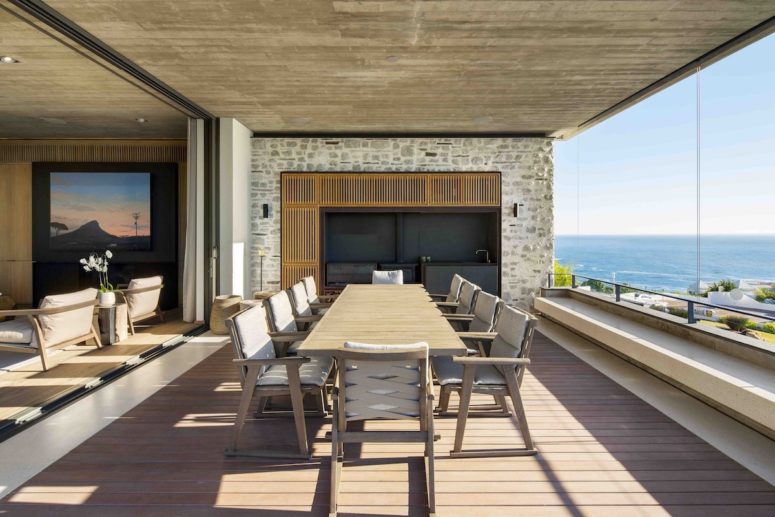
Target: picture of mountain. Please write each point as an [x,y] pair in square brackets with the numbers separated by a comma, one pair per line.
[103,210]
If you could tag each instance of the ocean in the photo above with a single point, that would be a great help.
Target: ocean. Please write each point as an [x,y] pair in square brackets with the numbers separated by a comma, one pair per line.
[668,263]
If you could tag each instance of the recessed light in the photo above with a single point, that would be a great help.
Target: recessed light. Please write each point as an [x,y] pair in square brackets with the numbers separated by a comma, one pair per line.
[392,59]
[141,120]
[486,119]
[8,60]
[298,121]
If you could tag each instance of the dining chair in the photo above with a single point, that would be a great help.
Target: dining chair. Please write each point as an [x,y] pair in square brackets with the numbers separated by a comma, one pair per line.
[283,319]
[465,304]
[312,293]
[482,319]
[382,382]
[60,320]
[387,277]
[454,290]
[142,299]
[302,301]
[499,373]
[265,375]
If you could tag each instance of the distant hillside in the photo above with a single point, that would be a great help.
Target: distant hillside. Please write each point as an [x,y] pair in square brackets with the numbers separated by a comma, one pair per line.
[91,236]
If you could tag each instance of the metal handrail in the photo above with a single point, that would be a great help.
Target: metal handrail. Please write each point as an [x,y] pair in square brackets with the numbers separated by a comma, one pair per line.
[689,303]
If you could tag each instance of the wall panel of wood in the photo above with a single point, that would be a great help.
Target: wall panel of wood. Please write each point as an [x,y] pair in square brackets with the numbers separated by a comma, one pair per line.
[304,194]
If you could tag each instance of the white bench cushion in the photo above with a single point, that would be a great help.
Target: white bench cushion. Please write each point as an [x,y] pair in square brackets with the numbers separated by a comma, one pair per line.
[18,331]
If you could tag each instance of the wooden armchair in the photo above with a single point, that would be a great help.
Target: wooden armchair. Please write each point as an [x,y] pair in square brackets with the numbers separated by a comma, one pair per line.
[466,300]
[61,320]
[283,319]
[499,374]
[482,319]
[264,375]
[300,302]
[382,382]
[454,290]
[142,299]
[317,301]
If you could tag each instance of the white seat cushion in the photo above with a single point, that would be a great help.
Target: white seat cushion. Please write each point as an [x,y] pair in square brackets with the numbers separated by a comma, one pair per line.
[449,372]
[300,303]
[143,303]
[64,326]
[281,313]
[18,331]
[313,373]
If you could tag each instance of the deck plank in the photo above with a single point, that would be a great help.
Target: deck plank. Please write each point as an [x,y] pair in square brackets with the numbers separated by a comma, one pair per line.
[603,452]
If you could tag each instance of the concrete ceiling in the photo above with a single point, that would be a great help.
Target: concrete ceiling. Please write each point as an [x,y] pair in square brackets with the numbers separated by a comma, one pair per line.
[388,66]
[55,92]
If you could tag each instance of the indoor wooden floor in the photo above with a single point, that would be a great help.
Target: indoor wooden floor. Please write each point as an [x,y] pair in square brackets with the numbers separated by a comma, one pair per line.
[28,387]
[603,452]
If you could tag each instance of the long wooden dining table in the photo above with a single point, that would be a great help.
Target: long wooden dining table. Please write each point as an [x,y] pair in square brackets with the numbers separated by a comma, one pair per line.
[383,314]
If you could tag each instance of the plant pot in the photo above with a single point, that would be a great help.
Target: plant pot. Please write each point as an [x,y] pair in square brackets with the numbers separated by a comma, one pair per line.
[107,299]
[223,308]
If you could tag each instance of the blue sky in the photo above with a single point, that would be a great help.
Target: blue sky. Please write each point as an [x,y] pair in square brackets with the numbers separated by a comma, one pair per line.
[636,172]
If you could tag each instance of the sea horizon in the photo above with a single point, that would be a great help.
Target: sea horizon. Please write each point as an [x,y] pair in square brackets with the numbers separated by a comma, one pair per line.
[668,262]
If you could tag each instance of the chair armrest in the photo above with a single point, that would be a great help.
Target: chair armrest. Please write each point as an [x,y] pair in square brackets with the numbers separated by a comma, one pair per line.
[450,305]
[308,319]
[459,317]
[139,290]
[49,310]
[442,296]
[320,305]
[289,360]
[288,336]
[495,361]
[478,336]
[327,296]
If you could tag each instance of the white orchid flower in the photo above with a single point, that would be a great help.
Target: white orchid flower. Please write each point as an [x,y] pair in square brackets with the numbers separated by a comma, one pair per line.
[86,268]
[92,262]
[83,261]
[109,254]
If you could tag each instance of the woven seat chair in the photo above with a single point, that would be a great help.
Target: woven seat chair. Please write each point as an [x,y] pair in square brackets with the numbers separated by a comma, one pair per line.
[499,374]
[264,375]
[387,277]
[382,382]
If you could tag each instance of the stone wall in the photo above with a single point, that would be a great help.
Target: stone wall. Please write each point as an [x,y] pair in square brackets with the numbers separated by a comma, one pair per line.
[526,166]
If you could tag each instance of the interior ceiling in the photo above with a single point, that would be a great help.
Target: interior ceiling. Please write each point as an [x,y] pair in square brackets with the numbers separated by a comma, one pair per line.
[55,92]
[375,66]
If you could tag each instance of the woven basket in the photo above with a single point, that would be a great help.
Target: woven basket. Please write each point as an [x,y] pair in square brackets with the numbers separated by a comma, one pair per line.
[224,307]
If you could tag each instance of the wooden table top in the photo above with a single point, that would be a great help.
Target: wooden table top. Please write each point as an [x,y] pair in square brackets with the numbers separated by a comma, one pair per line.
[383,314]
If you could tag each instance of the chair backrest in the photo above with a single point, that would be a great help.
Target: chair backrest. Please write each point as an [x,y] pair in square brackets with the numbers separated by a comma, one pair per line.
[515,334]
[311,287]
[454,288]
[300,302]
[485,311]
[64,326]
[281,313]
[387,277]
[250,336]
[139,304]
[383,382]
[468,294]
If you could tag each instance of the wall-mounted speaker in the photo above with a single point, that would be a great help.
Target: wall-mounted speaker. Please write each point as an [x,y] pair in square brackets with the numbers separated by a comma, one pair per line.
[265,210]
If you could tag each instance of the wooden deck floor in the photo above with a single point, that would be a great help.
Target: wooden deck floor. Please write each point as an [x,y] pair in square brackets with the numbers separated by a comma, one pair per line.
[603,452]
[28,387]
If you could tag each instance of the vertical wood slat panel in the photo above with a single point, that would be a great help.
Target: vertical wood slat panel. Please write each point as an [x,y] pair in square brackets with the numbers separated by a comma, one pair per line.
[305,193]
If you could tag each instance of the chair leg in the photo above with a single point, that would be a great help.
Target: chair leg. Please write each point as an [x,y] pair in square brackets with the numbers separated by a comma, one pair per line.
[261,406]
[430,472]
[320,401]
[131,326]
[500,400]
[43,358]
[336,465]
[248,389]
[519,409]
[96,336]
[297,401]
[444,399]
[465,402]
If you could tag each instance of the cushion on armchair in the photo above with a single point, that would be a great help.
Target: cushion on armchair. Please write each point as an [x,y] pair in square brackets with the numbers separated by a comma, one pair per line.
[18,332]
[143,303]
[63,326]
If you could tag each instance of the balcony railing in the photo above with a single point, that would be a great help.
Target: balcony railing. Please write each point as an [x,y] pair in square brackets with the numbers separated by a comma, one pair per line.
[693,305]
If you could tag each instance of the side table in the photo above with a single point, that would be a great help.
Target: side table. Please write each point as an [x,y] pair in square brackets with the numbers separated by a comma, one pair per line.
[113,323]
